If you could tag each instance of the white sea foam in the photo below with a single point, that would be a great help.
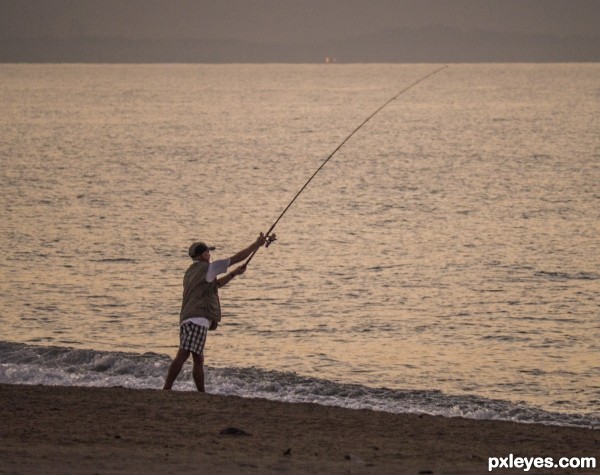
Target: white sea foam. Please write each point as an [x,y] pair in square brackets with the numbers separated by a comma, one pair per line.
[27,364]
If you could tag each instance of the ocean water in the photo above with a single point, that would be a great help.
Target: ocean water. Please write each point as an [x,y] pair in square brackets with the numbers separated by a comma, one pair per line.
[446,260]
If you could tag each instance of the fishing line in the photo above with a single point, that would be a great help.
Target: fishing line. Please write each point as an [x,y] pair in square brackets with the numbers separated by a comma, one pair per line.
[268,233]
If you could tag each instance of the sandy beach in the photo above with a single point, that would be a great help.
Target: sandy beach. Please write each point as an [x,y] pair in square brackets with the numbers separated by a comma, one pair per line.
[47,429]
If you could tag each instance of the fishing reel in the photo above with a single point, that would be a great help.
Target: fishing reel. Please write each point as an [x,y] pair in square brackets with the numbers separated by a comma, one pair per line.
[270,239]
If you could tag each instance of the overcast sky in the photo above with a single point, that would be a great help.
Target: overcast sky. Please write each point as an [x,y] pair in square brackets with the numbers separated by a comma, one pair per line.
[288,20]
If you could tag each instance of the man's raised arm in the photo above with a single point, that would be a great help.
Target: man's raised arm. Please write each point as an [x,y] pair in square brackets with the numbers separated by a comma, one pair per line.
[245,253]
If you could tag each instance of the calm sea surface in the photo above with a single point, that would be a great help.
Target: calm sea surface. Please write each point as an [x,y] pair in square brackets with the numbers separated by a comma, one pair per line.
[452,244]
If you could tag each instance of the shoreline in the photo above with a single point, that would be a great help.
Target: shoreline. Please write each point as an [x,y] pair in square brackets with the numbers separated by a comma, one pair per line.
[66,429]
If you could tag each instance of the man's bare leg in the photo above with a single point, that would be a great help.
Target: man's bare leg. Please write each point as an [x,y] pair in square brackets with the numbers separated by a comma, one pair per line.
[175,368]
[198,371]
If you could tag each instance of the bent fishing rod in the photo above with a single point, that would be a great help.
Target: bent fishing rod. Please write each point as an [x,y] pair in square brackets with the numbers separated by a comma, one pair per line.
[270,238]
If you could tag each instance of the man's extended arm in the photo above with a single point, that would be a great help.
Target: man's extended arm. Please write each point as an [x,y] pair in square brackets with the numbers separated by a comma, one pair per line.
[244,254]
[227,278]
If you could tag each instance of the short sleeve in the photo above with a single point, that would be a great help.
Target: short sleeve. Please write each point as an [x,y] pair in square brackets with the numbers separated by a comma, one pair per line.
[216,268]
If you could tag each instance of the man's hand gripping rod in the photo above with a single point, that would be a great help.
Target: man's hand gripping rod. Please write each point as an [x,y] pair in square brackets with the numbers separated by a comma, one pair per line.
[270,238]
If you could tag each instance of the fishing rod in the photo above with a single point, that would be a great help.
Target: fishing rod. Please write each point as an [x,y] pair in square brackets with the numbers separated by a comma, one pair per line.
[271,239]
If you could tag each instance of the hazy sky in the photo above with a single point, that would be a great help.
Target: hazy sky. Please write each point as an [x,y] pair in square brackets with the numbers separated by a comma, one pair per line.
[287,20]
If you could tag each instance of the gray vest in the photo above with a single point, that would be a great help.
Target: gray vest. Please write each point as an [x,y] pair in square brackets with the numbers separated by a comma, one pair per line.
[200,298]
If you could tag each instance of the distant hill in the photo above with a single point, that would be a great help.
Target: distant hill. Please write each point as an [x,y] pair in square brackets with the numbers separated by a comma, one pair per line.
[441,44]
[433,44]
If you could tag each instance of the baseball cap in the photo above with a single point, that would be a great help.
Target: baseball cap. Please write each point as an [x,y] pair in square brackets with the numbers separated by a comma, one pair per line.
[198,248]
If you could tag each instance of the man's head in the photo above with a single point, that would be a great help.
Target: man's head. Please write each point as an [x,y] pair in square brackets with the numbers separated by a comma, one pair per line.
[200,251]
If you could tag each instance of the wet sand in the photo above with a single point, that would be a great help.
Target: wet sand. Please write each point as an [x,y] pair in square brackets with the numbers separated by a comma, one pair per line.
[47,429]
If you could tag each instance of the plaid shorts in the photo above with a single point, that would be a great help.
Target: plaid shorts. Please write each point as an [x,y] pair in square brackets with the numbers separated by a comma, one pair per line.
[192,337]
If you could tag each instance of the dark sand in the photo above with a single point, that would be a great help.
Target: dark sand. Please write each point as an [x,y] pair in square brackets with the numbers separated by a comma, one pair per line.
[46,429]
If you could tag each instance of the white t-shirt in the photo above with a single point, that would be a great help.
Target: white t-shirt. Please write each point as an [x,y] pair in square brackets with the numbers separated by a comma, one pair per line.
[214,269]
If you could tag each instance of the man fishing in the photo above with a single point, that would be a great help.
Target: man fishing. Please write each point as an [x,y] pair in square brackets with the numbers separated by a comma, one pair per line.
[200,308]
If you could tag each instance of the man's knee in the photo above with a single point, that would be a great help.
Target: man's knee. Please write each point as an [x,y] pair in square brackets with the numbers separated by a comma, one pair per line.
[182,355]
[198,359]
